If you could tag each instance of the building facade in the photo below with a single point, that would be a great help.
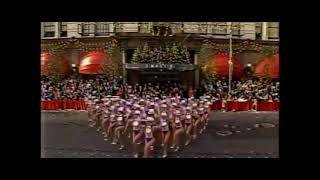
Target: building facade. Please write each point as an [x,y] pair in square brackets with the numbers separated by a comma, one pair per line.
[132,34]
[267,31]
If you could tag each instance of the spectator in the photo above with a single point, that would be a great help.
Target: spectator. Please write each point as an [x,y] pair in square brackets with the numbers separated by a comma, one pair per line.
[79,89]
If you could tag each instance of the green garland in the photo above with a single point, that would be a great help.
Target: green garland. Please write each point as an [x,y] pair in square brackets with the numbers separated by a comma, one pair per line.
[113,66]
[108,47]
[170,54]
[240,47]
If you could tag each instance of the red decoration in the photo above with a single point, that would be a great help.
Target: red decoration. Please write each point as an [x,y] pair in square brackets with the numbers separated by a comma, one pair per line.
[220,65]
[92,63]
[268,67]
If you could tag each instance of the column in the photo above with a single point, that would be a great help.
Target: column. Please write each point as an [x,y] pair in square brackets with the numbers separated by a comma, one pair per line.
[57,30]
[42,30]
[229,27]
[264,31]
[92,29]
[150,26]
[209,27]
[124,76]
[111,28]
[196,71]
[123,52]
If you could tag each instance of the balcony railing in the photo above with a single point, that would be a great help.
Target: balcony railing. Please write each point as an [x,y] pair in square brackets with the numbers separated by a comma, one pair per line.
[156,29]
[129,27]
[96,29]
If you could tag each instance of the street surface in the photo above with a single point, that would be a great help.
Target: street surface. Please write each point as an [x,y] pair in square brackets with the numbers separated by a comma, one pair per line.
[229,135]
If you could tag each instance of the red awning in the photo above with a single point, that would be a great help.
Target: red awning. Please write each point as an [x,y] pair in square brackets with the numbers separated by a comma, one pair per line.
[268,67]
[92,63]
[219,63]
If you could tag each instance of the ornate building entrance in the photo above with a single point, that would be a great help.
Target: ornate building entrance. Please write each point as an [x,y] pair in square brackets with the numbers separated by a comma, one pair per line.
[143,73]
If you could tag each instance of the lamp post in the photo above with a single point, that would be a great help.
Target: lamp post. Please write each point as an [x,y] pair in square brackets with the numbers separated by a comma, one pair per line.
[230,59]
[123,53]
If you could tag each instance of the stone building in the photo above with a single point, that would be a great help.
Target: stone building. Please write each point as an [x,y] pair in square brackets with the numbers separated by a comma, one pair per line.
[132,34]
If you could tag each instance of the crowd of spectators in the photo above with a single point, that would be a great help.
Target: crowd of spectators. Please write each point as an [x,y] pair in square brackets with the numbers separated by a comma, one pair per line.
[80,89]
[241,90]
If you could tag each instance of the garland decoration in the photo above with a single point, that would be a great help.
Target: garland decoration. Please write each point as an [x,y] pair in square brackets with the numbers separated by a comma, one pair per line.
[108,47]
[240,47]
[172,53]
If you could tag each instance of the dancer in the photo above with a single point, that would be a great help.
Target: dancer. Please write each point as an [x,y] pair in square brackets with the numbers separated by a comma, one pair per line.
[188,125]
[165,133]
[196,119]
[105,123]
[98,118]
[136,132]
[178,130]
[112,123]
[149,138]
[120,125]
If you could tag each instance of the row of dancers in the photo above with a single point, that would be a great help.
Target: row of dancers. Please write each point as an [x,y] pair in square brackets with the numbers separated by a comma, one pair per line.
[150,120]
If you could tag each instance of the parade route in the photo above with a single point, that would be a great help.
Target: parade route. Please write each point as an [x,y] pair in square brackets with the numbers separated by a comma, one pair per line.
[163,79]
[229,135]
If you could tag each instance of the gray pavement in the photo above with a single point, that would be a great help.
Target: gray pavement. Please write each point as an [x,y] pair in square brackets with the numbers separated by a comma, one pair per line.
[229,135]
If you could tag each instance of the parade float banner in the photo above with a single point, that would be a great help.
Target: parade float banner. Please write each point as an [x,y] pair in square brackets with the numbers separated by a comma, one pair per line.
[177,67]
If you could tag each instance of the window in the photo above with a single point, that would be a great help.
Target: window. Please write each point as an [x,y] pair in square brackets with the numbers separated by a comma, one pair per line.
[273,30]
[102,28]
[175,27]
[144,27]
[161,29]
[203,27]
[220,28]
[119,27]
[127,27]
[63,29]
[49,29]
[130,27]
[86,29]
[258,30]
[191,27]
[236,28]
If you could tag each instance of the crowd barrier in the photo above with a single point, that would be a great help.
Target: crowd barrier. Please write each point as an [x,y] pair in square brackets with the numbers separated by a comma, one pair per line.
[57,105]
[246,106]
[230,106]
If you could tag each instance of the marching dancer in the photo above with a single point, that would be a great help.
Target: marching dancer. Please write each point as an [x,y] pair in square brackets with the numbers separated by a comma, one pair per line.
[120,125]
[196,119]
[165,133]
[136,132]
[188,125]
[149,137]
[177,131]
